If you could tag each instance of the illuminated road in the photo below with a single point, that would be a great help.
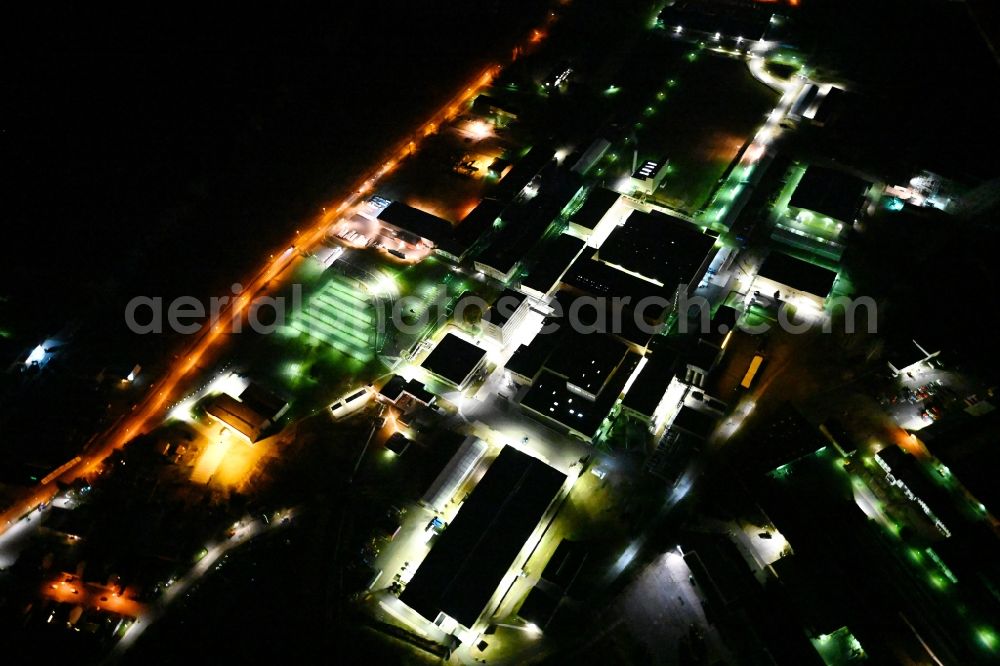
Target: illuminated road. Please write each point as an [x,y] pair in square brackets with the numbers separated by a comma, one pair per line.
[171,386]
[19,535]
[246,530]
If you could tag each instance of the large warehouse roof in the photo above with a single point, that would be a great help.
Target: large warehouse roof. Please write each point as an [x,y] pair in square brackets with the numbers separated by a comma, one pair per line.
[466,566]
[658,247]
[836,194]
[239,416]
[797,274]
[598,203]
[417,222]
[556,260]
[454,473]
[454,359]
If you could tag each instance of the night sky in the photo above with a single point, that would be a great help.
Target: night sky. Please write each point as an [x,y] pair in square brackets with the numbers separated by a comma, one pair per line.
[170,154]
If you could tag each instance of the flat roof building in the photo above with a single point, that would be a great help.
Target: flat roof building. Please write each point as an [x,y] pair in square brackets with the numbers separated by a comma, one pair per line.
[790,276]
[551,399]
[591,156]
[263,401]
[528,360]
[589,276]
[599,201]
[559,255]
[649,175]
[455,473]
[414,225]
[586,362]
[522,173]
[398,443]
[650,386]
[751,21]
[466,566]
[829,193]
[695,422]
[525,223]
[560,400]
[830,106]
[785,438]
[661,248]
[490,105]
[967,445]
[477,225]
[454,360]
[397,387]
[720,326]
[505,315]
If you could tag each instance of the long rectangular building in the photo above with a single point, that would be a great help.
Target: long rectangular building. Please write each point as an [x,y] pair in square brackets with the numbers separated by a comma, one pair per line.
[466,566]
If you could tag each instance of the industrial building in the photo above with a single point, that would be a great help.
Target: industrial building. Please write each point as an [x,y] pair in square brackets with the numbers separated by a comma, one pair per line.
[488,105]
[599,201]
[413,226]
[465,567]
[579,382]
[595,278]
[597,149]
[555,581]
[478,225]
[522,173]
[650,386]
[455,474]
[649,176]
[505,315]
[528,360]
[788,278]
[749,21]
[659,248]
[454,361]
[966,444]
[829,193]
[587,362]
[524,224]
[398,388]
[543,278]
[248,416]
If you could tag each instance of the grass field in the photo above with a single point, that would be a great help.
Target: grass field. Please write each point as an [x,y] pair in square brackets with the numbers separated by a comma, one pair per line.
[707,108]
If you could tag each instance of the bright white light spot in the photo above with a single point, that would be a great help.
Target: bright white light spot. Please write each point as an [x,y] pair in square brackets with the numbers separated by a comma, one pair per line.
[36,355]
[182,412]
[480,129]
[626,558]
[231,384]
[382,285]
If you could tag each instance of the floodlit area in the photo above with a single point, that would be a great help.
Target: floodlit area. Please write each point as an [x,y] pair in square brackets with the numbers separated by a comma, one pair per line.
[230,462]
[375,453]
[767,544]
